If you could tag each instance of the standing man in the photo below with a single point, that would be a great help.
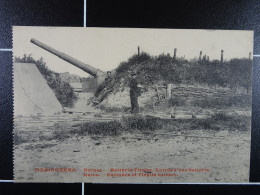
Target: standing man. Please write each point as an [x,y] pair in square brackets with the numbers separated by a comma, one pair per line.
[135,91]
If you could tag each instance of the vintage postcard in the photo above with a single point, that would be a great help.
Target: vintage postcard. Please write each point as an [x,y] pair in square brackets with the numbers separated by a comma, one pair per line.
[111,105]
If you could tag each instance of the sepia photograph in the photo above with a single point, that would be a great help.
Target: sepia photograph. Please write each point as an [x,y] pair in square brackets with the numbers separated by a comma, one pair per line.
[129,105]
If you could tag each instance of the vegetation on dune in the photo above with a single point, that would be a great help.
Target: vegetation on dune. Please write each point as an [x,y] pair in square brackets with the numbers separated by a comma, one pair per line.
[223,84]
[138,123]
[146,124]
[100,128]
[234,73]
[62,90]
[177,101]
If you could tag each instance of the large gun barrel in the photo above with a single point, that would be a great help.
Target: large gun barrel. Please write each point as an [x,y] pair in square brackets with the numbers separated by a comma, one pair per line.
[85,67]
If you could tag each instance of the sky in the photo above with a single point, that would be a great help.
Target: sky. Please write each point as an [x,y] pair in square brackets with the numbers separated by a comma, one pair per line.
[105,48]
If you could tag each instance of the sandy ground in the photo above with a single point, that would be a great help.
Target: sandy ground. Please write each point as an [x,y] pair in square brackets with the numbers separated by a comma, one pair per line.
[82,104]
[225,153]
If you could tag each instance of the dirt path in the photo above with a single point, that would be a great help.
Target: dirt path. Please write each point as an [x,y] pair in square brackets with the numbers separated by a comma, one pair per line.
[225,154]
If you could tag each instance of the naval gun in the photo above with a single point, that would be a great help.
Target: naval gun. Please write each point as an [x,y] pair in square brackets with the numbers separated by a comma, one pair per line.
[99,74]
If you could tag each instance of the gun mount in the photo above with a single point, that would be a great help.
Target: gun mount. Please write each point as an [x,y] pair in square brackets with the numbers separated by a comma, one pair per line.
[100,75]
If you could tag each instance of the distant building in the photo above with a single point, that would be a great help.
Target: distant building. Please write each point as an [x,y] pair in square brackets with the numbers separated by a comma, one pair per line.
[77,87]
[71,78]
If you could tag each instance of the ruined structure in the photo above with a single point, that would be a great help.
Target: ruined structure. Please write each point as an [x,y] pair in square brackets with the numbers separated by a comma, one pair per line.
[32,95]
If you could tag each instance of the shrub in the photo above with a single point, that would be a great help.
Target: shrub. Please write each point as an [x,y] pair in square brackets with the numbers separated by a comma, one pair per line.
[133,61]
[100,128]
[176,101]
[142,123]
[221,116]
[201,124]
